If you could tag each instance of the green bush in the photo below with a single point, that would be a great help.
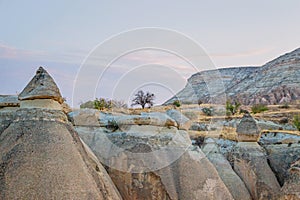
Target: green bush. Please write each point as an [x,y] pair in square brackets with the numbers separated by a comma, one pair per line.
[296,121]
[102,104]
[232,108]
[208,111]
[259,108]
[112,125]
[177,103]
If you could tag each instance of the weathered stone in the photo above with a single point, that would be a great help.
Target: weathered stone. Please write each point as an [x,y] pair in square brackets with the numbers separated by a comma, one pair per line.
[84,117]
[39,152]
[250,163]
[291,188]
[268,125]
[278,138]
[232,181]
[6,118]
[41,103]
[42,86]
[182,121]
[9,101]
[280,157]
[155,119]
[178,176]
[247,130]
[199,127]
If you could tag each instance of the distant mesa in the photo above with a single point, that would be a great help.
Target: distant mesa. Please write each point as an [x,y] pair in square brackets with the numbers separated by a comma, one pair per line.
[275,82]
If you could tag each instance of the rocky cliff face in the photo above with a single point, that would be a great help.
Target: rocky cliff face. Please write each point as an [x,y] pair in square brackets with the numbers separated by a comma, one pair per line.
[275,82]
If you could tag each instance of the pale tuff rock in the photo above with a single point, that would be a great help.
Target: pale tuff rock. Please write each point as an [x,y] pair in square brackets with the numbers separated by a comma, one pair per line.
[41,86]
[42,156]
[232,181]
[41,103]
[250,163]
[247,130]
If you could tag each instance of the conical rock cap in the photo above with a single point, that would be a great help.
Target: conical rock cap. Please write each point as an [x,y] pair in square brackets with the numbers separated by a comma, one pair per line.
[41,86]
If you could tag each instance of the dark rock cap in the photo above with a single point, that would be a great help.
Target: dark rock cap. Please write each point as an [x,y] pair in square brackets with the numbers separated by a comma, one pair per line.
[41,86]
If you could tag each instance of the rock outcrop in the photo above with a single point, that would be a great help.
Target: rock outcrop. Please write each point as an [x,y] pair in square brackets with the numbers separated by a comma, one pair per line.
[148,157]
[42,156]
[291,188]
[232,181]
[247,130]
[276,82]
[250,163]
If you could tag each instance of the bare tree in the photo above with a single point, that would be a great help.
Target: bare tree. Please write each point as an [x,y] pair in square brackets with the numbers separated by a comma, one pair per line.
[143,99]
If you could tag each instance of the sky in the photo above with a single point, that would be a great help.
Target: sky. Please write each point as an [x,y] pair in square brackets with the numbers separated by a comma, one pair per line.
[62,36]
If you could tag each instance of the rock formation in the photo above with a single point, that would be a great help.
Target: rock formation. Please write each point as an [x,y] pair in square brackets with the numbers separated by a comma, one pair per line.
[232,181]
[291,188]
[149,157]
[42,156]
[275,82]
[247,130]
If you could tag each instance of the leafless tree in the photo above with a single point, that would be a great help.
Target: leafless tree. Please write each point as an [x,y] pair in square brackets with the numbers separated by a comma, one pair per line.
[143,99]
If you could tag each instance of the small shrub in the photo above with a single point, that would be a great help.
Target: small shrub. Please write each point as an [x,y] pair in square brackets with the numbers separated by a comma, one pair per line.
[208,111]
[259,108]
[232,108]
[112,125]
[296,121]
[102,103]
[177,103]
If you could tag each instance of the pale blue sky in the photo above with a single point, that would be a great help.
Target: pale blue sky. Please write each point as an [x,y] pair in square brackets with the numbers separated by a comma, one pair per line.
[60,34]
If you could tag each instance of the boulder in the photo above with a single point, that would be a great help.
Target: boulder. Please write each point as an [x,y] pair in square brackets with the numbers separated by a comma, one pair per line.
[250,163]
[232,181]
[42,86]
[9,101]
[281,157]
[182,121]
[247,130]
[84,117]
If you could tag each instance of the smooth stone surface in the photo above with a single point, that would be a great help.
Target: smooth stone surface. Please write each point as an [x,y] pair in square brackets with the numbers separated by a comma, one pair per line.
[41,103]
[250,163]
